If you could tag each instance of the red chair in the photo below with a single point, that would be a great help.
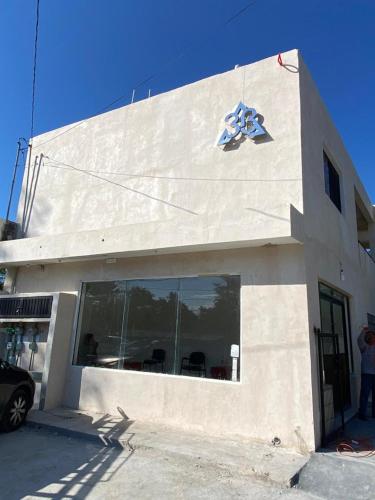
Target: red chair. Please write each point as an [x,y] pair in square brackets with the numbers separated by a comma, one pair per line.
[219,372]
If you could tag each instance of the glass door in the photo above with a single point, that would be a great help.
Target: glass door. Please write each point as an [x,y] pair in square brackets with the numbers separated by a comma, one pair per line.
[335,355]
[339,328]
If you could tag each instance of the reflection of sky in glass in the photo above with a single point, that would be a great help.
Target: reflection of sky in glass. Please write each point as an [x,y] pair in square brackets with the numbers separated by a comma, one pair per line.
[158,294]
[169,284]
[202,283]
[195,292]
[200,296]
[104,289]
[194,304]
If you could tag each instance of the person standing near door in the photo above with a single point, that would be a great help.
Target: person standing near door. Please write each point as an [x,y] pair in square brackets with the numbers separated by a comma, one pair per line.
[366,344]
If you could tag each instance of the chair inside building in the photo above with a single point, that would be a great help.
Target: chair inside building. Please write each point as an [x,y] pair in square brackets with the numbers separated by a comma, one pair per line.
[195,363]
[157,360]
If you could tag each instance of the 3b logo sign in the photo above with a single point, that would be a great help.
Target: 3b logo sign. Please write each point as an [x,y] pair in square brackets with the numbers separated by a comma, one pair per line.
[242,120]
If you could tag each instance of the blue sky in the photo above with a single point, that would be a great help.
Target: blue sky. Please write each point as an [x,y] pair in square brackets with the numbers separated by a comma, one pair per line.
[93,51]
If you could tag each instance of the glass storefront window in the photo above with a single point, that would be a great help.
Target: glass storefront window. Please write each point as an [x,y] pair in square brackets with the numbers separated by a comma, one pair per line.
[149,339]
[181,326]
[101,324]
[209,324]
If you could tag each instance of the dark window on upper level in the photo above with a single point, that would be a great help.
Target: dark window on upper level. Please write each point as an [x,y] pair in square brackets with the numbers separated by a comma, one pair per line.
[332,182]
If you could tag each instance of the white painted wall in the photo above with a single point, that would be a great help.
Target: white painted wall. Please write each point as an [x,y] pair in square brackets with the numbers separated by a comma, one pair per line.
[57,353]
[154,168]
[274,395]
[330,240]
[175,193]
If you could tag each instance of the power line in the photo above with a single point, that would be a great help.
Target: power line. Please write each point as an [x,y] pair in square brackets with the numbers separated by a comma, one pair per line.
[239,13]
[54,163]
[33,95]
[19,149]
[172,60]
[132,190]
[57,164]
[34,69]
[179,56]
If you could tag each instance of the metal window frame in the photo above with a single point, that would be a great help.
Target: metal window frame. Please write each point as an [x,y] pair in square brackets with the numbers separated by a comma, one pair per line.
[80,296]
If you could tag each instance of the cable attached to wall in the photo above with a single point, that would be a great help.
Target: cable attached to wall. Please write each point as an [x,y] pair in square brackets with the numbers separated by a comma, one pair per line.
[26,194]
[19,148]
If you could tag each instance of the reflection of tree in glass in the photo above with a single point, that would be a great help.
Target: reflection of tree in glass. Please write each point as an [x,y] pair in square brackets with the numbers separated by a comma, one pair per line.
[157,309]
[147,311]
[221,316]
[102,315]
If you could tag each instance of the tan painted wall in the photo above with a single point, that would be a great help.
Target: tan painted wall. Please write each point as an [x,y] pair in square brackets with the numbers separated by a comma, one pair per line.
[274,395]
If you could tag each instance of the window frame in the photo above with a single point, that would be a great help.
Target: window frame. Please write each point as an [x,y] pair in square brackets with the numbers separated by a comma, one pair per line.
[332,182]
[78,316]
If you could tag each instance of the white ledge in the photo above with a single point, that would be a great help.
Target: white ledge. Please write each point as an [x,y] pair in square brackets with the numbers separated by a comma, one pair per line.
[172,236]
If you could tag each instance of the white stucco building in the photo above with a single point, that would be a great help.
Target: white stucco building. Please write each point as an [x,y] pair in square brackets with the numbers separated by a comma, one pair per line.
[156,244]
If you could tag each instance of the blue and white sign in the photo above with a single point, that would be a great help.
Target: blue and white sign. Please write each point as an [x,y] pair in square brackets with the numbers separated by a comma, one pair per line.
[242,120]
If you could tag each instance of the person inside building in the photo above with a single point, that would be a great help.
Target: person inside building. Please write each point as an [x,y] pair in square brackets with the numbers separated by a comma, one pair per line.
[88,350]
[366,344]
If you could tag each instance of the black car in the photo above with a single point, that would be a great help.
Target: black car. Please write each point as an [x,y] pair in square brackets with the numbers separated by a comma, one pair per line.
[17,390]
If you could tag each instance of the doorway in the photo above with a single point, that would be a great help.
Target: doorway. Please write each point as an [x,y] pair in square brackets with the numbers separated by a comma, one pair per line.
[334,356]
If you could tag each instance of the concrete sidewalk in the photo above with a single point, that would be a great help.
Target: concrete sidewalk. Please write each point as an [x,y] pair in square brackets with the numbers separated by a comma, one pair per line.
[275,465]
[345,468]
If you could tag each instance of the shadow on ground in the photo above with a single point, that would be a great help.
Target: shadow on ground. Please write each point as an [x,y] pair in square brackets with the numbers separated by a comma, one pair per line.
[38,464]
[102,428]
[56,466]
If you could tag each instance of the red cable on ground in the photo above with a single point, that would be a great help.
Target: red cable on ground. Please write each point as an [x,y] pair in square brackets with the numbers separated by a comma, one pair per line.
[279,60]
[358,448]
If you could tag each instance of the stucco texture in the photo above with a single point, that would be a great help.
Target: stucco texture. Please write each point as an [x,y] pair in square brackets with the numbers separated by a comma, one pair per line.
[273,397]
[147,184]
[153,168]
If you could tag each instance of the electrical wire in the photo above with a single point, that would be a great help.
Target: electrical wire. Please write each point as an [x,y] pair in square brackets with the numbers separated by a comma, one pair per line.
[53,163]
[33,94]
[356,448]
[34,69]
[132,190]
[56,164]
[152,76]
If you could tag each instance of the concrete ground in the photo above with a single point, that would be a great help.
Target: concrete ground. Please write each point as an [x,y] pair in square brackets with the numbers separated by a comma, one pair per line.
[40,464]
[345,469]
[273,464]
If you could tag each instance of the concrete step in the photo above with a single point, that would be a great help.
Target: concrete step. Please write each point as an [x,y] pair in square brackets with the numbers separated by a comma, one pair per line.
[275,465]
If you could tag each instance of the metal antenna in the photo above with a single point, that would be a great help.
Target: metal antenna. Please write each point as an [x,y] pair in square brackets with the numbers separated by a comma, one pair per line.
[133,94]
[149,93]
